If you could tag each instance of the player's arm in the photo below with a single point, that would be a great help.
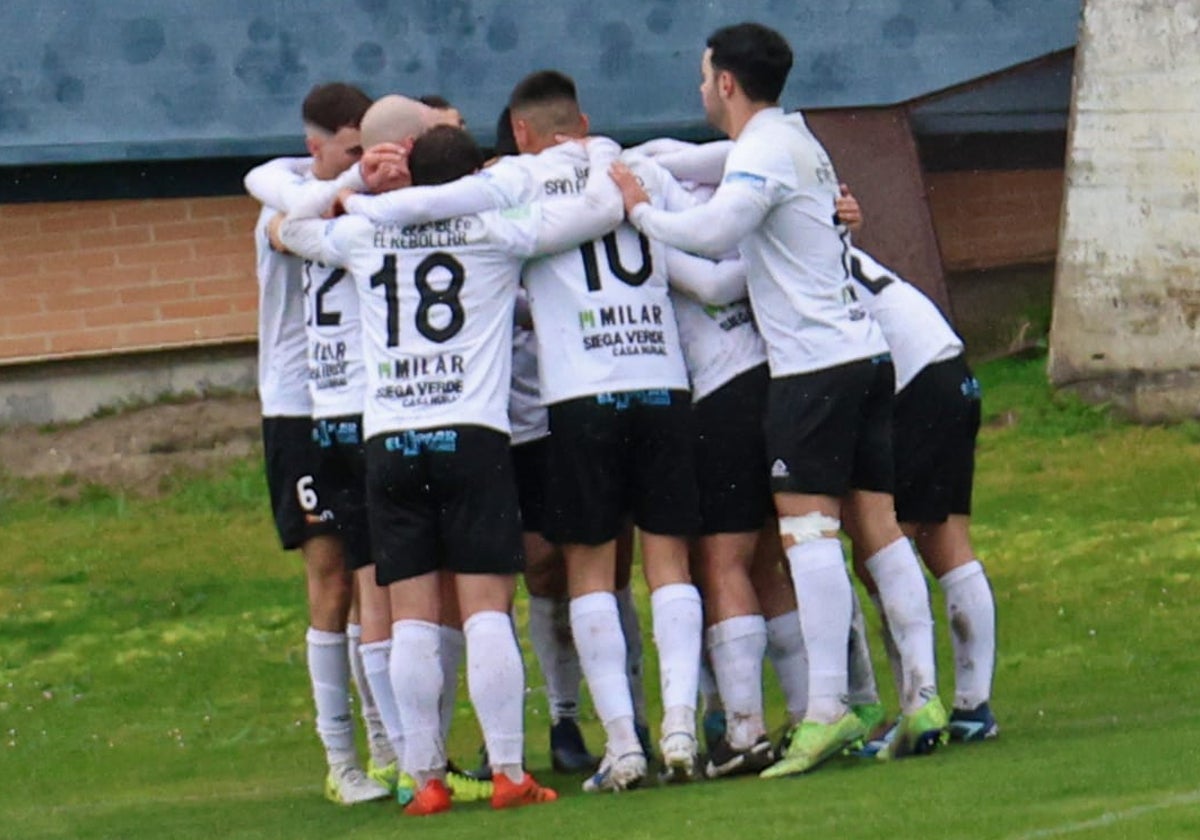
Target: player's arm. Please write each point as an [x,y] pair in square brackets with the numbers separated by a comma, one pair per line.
[703,163]
[313,239]
[714,283]
[567,222]
[414,205]
[280,187]
[268,181]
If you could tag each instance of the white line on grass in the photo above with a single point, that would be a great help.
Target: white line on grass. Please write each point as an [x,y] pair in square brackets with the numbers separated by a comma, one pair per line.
[1111,817]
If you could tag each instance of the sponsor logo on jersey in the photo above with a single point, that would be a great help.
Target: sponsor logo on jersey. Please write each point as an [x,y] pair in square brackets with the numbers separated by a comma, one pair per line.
[779,469]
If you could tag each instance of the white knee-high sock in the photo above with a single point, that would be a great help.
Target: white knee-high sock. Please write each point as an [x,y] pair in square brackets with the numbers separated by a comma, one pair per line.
[634,651]
[377,738]
[416,671]
[971,607]
[736,647]
[376,658]
[496,682]
[453,643]
[823,601]
[678,617]
[889,647]
[550,634]
[329,672]
[864,690]
[905,599]
[596,626]
[789,657]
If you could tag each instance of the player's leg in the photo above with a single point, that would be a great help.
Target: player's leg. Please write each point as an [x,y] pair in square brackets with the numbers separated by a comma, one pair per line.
[631,626]
[583,516]
[480,527]
[666,509]
[785,637]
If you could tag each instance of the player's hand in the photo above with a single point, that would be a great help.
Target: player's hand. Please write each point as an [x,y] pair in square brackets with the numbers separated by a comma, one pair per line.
[848,209]
[383,165]
[273,228]
[338,208]
[632,192]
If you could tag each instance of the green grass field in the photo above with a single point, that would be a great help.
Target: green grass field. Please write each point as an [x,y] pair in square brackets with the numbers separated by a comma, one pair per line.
[152,677]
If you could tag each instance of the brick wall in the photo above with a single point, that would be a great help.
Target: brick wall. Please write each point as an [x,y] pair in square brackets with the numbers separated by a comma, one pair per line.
[88,278]
[986,219]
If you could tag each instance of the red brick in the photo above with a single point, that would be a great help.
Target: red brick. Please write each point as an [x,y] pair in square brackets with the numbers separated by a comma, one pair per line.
[16,227]
[26,304]
[198,229]
[113,276]
[192,269]
[155,211]
[156,292]
[42,284]
[85,216]
[22,347]
[115,237]
[155,253]
[121,315]
[195,308]
[42,243]
[17,267]
[84,341]
[45,322]
[78,301]
[241,207]
[229,287]
[78,261]
[226,246]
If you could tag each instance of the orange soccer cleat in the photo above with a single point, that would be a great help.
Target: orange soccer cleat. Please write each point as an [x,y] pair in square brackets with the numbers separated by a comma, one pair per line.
[432,798]
[509,794]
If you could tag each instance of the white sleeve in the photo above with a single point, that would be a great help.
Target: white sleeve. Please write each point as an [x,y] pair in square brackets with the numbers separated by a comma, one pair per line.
[415,205]
[296,195]
[711,229]
[313,239]
[703,164]
[661,146]
[567,222]
[267,181]
[711,283]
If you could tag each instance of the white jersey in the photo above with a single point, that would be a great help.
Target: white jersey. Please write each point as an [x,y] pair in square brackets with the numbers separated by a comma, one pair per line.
[604,317]
[916,331]
[529,419]
[776,202]
[282,345]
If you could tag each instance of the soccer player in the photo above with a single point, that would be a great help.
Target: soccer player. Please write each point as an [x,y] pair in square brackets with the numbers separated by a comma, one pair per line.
[450,114]
[438,306]
[828,423]
[302,508]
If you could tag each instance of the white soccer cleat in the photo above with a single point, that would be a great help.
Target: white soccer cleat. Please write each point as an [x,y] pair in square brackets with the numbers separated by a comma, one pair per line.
[615,774]
[347,784]
[679,757]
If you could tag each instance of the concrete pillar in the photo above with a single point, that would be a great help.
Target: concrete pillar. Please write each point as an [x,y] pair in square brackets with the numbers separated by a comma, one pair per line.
[1127,289]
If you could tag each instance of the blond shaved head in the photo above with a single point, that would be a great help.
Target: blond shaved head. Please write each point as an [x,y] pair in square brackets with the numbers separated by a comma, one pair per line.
[395,119]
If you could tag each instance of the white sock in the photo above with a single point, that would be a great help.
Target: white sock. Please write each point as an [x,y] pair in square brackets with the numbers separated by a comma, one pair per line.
[550,634]
[377,737]
[329,672]
[634,650]
[416,671]
[709,695]
[905,599]
[736,647]
[864,690]
[889,646]
[823,601]
[596,626]
[678,617]
[971,608]
[376,657]
[453,643]
[789,657]
[496,682]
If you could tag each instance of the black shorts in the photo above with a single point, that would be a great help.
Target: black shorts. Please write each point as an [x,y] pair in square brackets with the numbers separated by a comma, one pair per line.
[529,466]
[936,424]
[443,499]
[342,477]
[731,464]
[613,454]
[830,431]
[292,459]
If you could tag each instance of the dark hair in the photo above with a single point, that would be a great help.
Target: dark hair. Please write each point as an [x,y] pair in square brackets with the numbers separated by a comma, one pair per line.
[542,87]
[441,103]
[335,106]
[443,153]
[506,143]
[758,57]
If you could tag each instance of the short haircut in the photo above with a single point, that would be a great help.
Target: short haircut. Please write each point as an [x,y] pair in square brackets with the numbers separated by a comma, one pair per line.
[547,99]
[443,153]
[394,119]
[758,57]
[506,143]
[334,106]
[441,103]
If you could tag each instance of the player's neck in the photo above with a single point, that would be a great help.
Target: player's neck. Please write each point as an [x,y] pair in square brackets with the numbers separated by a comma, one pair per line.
[741,112]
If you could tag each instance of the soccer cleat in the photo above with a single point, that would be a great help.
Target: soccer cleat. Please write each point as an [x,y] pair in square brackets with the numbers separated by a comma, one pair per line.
[713,726]
[347,784]
[568,752]
[918,733]
[724,760]
[871,715]
[811,743]
[431,799]
[615,774]
[386,774]
[510,794]
[678,757]
[464,788]
[878,740]
[978,724]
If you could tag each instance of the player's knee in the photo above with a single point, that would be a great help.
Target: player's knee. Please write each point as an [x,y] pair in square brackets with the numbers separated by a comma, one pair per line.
[811,526]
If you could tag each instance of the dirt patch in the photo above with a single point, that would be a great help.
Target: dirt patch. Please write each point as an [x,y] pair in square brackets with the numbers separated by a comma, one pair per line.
[136,450]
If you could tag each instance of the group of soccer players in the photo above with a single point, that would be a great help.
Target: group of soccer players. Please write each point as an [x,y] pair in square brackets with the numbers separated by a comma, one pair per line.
[471,371]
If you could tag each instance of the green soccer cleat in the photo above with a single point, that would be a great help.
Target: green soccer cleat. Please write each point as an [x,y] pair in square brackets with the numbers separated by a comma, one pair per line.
[347,784]
[812,743]
[386,774]
[918,733]
[465,789]
[871,715]
[406,788]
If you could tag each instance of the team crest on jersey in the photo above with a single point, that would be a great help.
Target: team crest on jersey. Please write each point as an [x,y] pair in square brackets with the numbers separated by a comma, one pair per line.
[779,469]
